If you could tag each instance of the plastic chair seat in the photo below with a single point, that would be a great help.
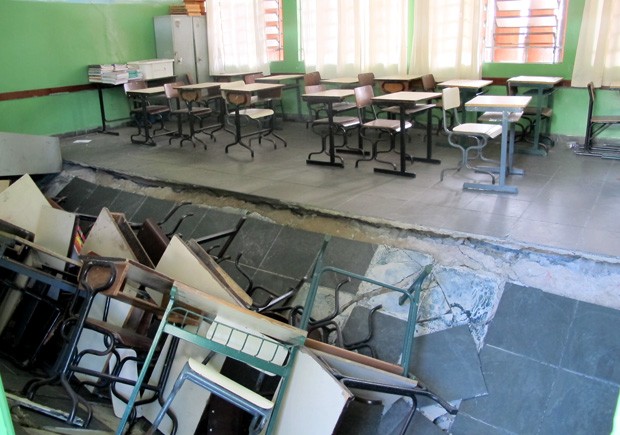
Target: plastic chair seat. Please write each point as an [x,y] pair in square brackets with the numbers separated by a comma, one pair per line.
[489,130]
[256,113]
[342,121]
[386,124]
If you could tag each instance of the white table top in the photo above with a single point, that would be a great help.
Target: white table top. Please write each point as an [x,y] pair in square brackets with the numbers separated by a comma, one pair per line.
[330,95]
[198,86]
[536,80]
[252,87]
[341,81]
[465,83]
[280,77]
[236,74]
[398,78]
[148,91]
[406,97]
[498,102]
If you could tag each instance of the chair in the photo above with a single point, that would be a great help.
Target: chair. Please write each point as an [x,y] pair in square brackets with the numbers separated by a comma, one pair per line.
[459,134]
[312,78]
[376,127]
[190,112]
[530,112]
[244,114]
[236,333]
[263,101]
[137,111]
[596,125]
[366,79]
[319,110]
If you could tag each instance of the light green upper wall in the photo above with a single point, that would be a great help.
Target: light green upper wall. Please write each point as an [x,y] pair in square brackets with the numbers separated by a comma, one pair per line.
[49,44]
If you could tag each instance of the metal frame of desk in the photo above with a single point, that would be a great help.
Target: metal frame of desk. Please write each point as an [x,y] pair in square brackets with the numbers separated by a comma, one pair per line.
[540,84]
[407,100]
[505,105]
[279,78]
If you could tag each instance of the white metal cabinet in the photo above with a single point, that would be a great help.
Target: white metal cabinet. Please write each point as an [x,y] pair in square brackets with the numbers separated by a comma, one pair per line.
[184,39]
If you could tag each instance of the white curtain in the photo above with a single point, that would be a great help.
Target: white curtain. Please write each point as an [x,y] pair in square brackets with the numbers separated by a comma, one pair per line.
[598,51]
[447,39]
[236,36]
[346,37]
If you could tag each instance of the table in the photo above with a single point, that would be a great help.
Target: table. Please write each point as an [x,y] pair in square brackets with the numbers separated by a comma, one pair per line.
[329,97]
[228,77]
[543,87]
[280,79]
[246,92]
[506,105]
[469,88]
[408,100]
[143,95]
[191,94]
[396,83]
[343,82]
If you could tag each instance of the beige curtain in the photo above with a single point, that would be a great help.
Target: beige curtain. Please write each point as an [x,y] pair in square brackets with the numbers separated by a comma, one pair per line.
[598,51]
[236,36]
[346,37]
[447,39]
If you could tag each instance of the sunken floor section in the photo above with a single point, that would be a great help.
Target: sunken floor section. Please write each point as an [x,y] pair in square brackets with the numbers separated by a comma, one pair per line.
[513,359]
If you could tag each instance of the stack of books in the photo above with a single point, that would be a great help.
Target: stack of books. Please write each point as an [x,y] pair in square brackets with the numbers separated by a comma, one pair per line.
[189,7]
[112,73]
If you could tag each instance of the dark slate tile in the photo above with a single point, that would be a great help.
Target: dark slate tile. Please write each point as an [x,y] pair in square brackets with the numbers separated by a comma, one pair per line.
[532,323]
[184,221]
[127,203]
[276,284]
[99,198]
[292,253]
[215,221]
[254,241]
[579,405]
[348,255]
[360,419]
[74,193]
[153,208]
[593,346]
[447,363]
[465,425]
[387,336]
[518,389]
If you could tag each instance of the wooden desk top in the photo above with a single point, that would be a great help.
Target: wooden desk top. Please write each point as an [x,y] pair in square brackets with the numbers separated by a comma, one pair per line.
[397,78]
[147,91]
[280,77]
[498,102]
[236,74]
[406,97]
[198,86]
[341,81]
[252,87]
[329,95]
[465,83]
[535,80]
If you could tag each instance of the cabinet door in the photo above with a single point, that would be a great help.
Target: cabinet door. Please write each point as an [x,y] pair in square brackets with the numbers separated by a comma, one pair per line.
[200,49]
[183,46]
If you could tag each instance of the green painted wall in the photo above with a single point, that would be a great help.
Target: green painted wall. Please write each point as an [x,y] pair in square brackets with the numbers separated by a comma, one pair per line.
[50,44]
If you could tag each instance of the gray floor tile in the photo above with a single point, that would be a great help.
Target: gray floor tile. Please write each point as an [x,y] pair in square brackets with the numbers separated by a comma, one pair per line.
[579,405]
[522,323]
[593,348]
[518,389]
[254,241]
[466,425]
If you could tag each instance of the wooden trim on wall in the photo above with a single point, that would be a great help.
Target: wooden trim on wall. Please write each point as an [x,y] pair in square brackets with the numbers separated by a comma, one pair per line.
[18,95]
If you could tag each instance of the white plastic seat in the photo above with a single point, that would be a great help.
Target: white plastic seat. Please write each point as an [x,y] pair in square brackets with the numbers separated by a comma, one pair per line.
[460,136]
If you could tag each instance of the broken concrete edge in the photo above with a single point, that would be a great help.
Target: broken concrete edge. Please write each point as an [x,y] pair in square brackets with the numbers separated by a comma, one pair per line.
[582,276]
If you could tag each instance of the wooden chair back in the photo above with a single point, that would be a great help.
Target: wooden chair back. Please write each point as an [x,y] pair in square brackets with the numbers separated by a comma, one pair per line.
[312,78]
[366,79]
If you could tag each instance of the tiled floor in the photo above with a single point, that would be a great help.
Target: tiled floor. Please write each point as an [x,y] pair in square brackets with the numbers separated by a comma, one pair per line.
[564,201]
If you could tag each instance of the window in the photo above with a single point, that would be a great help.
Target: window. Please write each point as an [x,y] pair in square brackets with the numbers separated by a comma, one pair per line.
[525,31]
[273,29]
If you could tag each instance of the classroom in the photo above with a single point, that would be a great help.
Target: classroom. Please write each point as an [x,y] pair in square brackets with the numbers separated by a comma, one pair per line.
[410,205]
